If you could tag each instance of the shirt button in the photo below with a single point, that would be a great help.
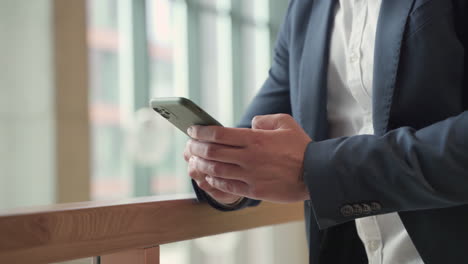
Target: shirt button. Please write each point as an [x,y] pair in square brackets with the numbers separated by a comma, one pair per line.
[376,206]
[373,245]
[347,210]
[366,209]
[354,57]
[357,209]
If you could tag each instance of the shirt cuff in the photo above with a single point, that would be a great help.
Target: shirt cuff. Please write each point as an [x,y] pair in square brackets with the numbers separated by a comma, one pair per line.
[202,196]
[325,190]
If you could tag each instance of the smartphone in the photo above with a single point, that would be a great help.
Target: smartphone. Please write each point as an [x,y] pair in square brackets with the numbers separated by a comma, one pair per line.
[182,112]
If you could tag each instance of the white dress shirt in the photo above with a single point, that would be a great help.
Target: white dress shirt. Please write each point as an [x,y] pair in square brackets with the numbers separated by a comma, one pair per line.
[349,106]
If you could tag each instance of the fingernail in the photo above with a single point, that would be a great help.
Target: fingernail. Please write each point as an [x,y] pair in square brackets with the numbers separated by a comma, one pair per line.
[189,131]
[192,159]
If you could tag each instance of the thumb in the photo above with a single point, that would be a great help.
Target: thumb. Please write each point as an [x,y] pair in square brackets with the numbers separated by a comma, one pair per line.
[273,122]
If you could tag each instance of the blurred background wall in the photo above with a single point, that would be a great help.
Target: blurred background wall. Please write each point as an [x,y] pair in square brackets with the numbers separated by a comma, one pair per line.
[27,129]
[75,80]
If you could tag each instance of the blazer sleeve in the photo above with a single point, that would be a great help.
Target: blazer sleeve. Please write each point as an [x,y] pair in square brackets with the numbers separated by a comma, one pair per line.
[403,170]
[272,98]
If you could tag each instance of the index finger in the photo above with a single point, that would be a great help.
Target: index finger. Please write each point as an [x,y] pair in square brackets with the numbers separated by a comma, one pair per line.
[238,137]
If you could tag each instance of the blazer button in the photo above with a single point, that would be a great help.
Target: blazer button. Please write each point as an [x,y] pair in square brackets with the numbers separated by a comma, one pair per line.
[357,209]
[376,206]
[366,209]
[347,210]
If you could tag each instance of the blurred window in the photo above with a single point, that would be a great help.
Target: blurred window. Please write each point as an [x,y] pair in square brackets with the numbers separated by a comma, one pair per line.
[215,52]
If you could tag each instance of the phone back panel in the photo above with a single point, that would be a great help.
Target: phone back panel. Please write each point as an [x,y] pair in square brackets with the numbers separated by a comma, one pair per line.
[182,113]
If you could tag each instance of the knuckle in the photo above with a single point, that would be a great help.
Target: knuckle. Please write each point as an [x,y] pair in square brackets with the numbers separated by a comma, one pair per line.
[190,146]
[204,185]
[210,151]
[286,118]
[255,119]
[218,134]
[186,156]
[216,168]
[193,173]
[194,132]
[228,187]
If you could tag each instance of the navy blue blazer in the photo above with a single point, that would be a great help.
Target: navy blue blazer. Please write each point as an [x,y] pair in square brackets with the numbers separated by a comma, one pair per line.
[416,164]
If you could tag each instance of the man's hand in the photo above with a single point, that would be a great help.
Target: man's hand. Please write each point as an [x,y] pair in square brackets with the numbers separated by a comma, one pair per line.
[263,163]
[200,179]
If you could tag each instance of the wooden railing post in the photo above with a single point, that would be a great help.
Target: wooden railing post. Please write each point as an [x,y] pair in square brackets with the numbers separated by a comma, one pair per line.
[134,256]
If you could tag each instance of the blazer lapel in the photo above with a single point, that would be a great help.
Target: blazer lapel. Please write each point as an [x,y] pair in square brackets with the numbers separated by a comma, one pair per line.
[313,74]
[389,36]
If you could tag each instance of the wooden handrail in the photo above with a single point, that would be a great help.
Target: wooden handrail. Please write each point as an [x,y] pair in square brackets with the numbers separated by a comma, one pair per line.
[71,231]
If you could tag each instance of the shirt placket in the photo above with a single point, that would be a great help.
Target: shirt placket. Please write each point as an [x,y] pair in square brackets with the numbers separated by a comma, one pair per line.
[355,78]
[368,227]
[369,232]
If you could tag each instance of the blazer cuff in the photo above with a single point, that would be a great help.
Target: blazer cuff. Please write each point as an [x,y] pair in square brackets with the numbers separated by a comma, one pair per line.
[332,187]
